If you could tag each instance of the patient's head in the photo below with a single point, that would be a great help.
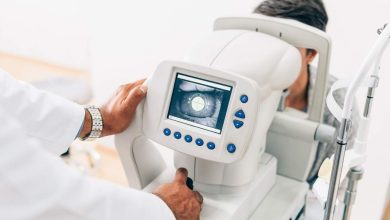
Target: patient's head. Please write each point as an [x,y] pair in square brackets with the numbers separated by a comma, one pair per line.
[310,12]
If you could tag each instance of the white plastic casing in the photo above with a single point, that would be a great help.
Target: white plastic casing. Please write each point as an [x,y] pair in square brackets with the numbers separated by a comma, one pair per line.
[253,55]
[157,106]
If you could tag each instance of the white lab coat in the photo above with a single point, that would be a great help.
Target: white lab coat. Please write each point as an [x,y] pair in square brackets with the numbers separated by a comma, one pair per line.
[35,128]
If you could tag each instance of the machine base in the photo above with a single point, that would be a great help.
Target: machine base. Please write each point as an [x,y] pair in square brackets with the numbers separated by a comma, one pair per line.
[285,201]
[232,206]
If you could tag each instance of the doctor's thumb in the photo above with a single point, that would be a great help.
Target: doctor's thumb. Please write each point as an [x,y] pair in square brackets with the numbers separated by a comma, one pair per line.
[181,175]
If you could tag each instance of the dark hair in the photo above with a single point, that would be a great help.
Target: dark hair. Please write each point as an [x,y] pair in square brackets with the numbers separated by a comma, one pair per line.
[310,12]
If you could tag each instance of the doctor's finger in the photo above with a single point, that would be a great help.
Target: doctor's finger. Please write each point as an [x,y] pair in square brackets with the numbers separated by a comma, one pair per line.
[198,197]
[130,86]
[124,89]
[181,175]
[135,96]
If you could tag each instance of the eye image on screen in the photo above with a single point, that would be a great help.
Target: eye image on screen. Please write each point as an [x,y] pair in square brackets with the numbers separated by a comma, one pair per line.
[199,103]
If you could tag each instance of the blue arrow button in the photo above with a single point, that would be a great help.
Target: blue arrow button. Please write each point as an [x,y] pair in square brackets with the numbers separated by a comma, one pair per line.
[238,123]
[240,114]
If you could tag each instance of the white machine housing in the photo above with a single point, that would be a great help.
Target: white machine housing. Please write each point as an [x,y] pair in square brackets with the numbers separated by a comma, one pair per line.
[293,136]
[261,76]
[255,56]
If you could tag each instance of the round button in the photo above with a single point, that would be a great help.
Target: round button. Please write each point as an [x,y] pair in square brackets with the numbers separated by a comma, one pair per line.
[167,131]
[231,148]
[244,98]
[177,135]
[199,142]
[188,138]
[211,145]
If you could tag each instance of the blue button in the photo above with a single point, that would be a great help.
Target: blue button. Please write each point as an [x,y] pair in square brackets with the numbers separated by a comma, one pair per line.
[188,138]
[231,148]
[167,131]
[177,135]
[240,114]
[199,142]
[238,123]
[244,99]
[211,145]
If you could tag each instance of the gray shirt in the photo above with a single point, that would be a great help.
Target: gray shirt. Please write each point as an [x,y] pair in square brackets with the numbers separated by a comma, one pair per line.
[326,150]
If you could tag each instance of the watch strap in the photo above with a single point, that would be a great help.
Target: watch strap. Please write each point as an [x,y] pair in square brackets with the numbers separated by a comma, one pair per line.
[96,124]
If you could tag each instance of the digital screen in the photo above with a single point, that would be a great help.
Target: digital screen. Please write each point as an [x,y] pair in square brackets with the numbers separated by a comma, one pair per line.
[199,103]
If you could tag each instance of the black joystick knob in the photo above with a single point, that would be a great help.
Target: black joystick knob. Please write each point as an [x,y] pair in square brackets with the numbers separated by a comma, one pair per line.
[190,183]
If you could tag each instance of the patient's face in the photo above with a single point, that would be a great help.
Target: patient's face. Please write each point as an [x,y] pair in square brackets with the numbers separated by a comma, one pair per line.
[307,58]
[297,97]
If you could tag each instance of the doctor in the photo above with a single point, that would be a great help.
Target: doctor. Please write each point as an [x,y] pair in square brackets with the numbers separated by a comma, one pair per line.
[36,127]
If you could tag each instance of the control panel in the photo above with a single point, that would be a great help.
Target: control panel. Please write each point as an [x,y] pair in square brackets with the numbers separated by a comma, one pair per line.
[200,111]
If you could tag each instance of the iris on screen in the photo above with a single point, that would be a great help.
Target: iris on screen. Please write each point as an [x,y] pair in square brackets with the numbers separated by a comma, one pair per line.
[200,104]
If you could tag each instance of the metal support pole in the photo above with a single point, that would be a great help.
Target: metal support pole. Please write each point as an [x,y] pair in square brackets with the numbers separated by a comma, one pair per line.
[355,174]
[336,169]
[374,55]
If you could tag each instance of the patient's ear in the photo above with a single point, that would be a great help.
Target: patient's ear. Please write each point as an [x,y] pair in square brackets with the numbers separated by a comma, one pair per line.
[310,55]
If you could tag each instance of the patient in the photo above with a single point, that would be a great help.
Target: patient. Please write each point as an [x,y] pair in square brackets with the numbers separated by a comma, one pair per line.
[300,93]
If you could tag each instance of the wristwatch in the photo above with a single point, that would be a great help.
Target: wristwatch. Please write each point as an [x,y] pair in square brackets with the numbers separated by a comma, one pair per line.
[96,124]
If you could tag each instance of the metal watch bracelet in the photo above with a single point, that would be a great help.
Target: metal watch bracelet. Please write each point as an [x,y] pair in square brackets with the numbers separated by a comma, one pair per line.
[96,124]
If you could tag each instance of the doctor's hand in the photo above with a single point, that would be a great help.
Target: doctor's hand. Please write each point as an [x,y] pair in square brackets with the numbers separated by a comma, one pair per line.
[119,110]
[184,203]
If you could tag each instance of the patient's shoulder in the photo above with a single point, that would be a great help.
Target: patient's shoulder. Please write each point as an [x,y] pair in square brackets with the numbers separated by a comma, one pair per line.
[339,96]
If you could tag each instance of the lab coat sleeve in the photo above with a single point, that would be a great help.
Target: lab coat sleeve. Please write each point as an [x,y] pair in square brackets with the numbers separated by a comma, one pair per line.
[36,185]
[51,119]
